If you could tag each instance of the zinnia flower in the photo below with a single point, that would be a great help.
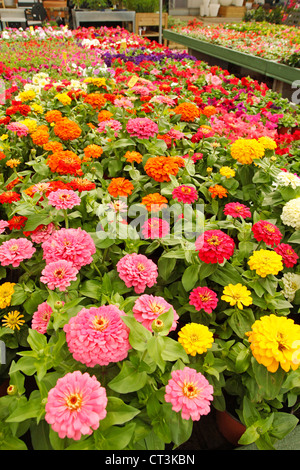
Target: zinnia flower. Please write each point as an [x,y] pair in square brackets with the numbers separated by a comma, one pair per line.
[17,222]
[203,298]
[189,392]
[246,150]
[155,228]
[267,232]
[214,246]
[160,168]
[96,100]
[184,193]
[8,197]
[64,162]
[148,307]
[64,199]
[289,256]
[143,128]
[13,320]
[137,271]
[82,184]
[285,178]
[188,111]
[76,405]
[133,157]
[59,274]
[92,151]
[6,292]
[291,213]
[291,283]
[41,317]
[218,191]
[195,338]
[120,187]
[15,250]
[65,129]
[154,202]
[41,233]
[235,209]
[3,225]
[227,172]
[265,262]
[267,142]
[74,245]
[237,294]
[98,336]
[272,340]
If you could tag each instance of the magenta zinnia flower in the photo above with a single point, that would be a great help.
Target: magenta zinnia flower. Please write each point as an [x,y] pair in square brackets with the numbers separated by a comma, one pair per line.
[189,392]
[42,233]
[203,298]
[59,274]
[3,225]
[98,336]
[155,228]
[74,245]
[64,199]
[143,128]
[186,194]
[15,250]
[214,246]
[41,317]
[148,307]
[137,271]
[289,256]
[235,209]
[76,405]
[267,232]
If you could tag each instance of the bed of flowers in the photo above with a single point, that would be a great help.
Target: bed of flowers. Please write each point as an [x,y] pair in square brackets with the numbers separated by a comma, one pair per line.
[277,42]
[149,251]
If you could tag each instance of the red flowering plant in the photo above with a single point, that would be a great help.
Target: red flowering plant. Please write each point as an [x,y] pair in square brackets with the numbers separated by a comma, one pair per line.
[146,229]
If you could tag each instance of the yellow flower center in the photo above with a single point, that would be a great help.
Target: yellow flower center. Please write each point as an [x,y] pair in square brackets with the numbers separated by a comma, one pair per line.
[156,308]
[190,390]
[74,402]
[140,267]
[99,323]
[213,241]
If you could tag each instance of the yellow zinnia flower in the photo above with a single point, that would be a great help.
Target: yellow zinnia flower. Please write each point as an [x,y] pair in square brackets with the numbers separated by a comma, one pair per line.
[246,150]
[237,295]
[30,124]
[267,143]
[227,172]
[195,338]
[13,320]
[37,108]
[13,162]
[265,262]
[6,292]
[275,341]
[63,98]
[27,95]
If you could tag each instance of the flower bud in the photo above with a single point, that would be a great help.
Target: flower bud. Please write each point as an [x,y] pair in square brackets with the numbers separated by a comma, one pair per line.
[157,325]
[12,390]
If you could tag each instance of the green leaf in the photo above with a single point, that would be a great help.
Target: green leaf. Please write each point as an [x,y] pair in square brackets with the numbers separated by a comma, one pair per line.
[118,413]
[241,321]
[31,409]
[91,289]
[128,380]
[190,276]
[270,383]
[173,351]
[283,424]
[165,267]
[181,429]
[155,348]
[139,335]
[114,438]
[36,340]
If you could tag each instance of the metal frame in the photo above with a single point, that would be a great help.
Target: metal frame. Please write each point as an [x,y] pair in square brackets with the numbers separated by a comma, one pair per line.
[90,16]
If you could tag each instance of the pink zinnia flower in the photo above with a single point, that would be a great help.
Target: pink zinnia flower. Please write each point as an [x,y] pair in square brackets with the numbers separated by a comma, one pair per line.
[289,256]
[59,274]
[20,129]
[110,123]
[15,250]
[41,317]
[64,199]
[41,233]
[137,271]
[214,246]
[189,392]
[267,232]
[98,336]
[74,245]
[235,209]
[3,225]
[184,193]
[148,307]
[143,128]
[155,228]
[76,405]
[203,298]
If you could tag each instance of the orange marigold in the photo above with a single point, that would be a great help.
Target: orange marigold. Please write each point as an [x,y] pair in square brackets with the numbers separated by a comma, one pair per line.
[120,187]
[40,136]
[104,115]
[218,191]
[64,162]
[154,202]
[209,111]
[92,151]
[133,157]
[66,129]
[53,115]
[53,146]
[96,100]
[159,168]
[189,111]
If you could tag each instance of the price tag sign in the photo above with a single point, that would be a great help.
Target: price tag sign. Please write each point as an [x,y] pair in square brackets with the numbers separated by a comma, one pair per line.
[133,81]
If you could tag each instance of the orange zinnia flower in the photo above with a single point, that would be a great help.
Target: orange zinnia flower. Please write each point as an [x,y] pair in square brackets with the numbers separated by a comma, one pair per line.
[104,115]
[92,151]
[40,136]
[120,187]
[133,157]
[189,111]
[218,191]
[209,111]
[53,116]
[96,100]
[64,162]
[154,202]
[159,168]
[66,129]
[53,146]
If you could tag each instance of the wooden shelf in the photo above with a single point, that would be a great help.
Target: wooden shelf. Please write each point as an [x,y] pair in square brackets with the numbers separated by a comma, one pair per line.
[151,20]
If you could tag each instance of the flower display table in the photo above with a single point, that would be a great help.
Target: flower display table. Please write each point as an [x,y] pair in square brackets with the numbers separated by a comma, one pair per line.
[95,16]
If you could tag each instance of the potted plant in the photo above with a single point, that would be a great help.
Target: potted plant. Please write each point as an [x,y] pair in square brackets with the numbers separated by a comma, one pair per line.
[142,6]
[91,4]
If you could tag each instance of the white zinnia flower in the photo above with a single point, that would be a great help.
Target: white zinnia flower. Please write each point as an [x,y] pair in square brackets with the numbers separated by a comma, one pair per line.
[291,283]
[291,213]
[288,179]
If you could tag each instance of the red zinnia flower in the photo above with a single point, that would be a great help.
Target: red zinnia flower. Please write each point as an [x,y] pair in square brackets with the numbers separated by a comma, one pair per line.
[17,222]
[8,197]
[203,298]
[214,246]
[235,209]
[267,232]
[289,256]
